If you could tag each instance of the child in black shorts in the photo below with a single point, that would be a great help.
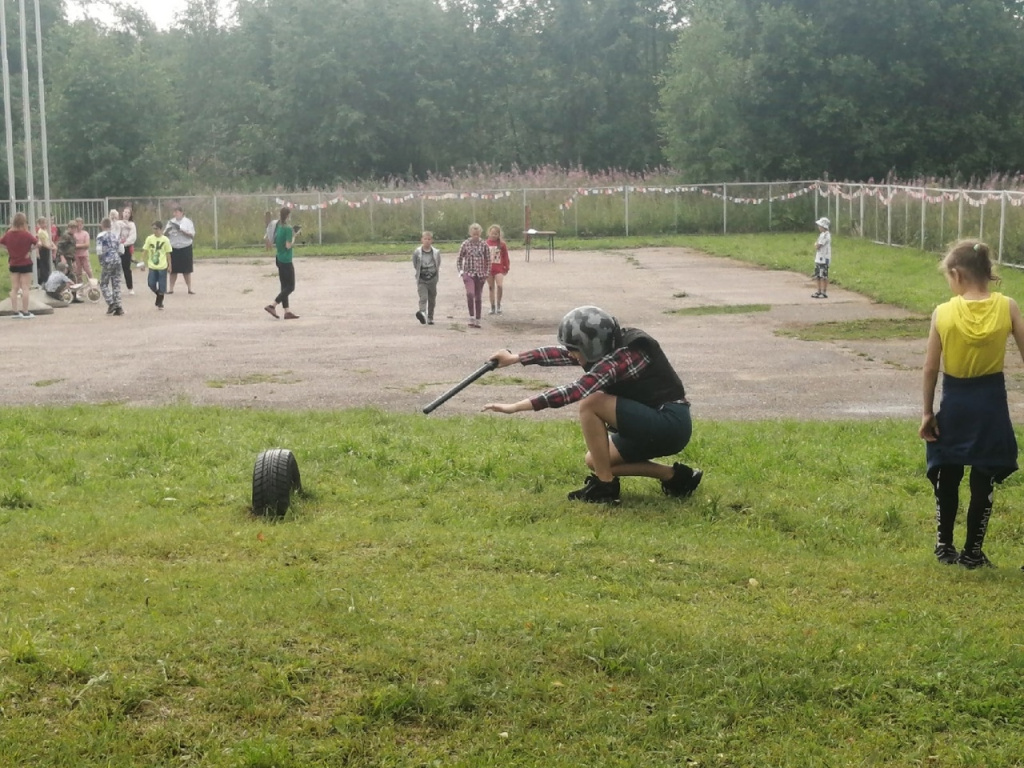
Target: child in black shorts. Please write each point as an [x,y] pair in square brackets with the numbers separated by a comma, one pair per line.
[633,406]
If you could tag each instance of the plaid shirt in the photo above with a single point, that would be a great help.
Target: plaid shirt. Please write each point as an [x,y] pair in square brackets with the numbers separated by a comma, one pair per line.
[621,365]
[474,258]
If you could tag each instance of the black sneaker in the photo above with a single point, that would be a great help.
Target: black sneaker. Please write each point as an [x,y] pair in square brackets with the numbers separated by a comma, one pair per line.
[595,491]
[946,554]
[682,485]
[110,309]
[118,311]
[975,559]
[421,318]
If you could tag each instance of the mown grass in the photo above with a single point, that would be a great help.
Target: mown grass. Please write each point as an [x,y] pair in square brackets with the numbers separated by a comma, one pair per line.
[434,600]
[721,309]
[904,277]
[872,329]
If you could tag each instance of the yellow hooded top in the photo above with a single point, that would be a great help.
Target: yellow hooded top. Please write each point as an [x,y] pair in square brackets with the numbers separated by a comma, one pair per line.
[973,335]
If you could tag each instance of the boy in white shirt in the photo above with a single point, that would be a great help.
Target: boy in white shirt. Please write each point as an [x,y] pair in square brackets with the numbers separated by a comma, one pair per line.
[822,258]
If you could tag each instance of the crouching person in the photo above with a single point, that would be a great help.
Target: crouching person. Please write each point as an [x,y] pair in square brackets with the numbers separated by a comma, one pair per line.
[633,405]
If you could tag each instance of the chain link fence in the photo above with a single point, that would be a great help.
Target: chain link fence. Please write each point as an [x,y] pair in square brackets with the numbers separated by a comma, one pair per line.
[921,217]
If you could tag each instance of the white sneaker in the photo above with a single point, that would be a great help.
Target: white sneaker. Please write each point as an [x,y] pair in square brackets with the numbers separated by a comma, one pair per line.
[28,315]
[131,292]
[16,316]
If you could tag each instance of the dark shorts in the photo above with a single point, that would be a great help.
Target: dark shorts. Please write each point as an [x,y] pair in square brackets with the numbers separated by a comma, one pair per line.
[181,260]
[821,271]
[22,269]
[646,433]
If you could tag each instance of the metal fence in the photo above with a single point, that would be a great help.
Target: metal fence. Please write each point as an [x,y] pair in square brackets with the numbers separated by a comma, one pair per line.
[920,217]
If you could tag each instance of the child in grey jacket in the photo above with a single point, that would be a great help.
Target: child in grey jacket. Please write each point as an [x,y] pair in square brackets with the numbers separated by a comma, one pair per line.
[426,260]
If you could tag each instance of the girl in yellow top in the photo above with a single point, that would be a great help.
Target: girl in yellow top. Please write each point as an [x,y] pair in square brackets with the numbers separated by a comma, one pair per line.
[972,427]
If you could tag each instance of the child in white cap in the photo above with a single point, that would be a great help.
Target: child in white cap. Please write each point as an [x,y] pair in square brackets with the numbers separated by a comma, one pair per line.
[822,258]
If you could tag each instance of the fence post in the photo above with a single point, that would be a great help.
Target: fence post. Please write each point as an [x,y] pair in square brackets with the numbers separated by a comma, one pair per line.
[888,215]
[575,217]
[862,210]
[981,228]
[372,236]
[216,228]
[942,221]
[769,210]
[320,217]
[626,196]
[906,217]
[817,194]
[725,209]
[423,217]
[1002,222]
[924,202]
[960,217]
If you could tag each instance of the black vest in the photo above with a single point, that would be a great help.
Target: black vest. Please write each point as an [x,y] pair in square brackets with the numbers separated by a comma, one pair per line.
[658,383]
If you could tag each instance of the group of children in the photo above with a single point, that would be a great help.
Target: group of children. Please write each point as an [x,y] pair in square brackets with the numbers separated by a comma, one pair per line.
[64,266]
[479,262]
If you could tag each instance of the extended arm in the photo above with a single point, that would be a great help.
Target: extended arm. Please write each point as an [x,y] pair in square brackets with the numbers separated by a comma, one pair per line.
[1017,327]
[929,430]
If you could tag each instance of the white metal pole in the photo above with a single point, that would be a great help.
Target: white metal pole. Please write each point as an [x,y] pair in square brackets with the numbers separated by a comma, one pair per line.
[861,201]
[960,217]
[42,120]
[888,215]
[26,101]
[924,202]
[942,222]
[8,127]
[1002,222]
[725,210]
[627,197]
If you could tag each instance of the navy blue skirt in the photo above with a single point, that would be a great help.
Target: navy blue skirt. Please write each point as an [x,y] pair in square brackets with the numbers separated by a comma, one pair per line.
[974,427]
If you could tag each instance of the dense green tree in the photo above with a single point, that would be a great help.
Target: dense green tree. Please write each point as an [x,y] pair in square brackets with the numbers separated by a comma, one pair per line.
[313,93]
[797,88]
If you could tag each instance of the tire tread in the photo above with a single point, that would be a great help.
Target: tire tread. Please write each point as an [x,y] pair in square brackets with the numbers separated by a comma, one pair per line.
[274,477]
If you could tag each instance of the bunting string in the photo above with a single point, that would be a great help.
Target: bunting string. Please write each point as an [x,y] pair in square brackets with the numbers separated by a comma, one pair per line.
[886,195]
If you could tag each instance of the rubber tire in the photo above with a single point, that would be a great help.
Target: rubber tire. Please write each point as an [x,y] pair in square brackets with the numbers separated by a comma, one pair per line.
[274,477]
[93,294]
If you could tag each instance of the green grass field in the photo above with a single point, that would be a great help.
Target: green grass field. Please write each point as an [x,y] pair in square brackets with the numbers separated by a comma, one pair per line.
[433,600]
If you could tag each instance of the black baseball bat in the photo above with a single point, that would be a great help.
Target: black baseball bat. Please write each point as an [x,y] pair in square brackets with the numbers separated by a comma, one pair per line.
[490,365]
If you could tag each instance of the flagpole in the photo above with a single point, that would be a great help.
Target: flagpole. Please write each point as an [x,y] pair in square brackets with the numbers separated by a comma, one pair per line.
[11,193]
[26,99]
[42,119]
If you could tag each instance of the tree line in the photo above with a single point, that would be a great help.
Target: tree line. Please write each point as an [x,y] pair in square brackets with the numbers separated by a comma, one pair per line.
[319,93]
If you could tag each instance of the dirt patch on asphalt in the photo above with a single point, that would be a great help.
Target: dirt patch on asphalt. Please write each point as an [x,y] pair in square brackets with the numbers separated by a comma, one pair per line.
[358,344]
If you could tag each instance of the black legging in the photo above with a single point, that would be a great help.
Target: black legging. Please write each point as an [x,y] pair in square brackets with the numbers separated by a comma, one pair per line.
[946,482]
[285,271]
[126,265]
